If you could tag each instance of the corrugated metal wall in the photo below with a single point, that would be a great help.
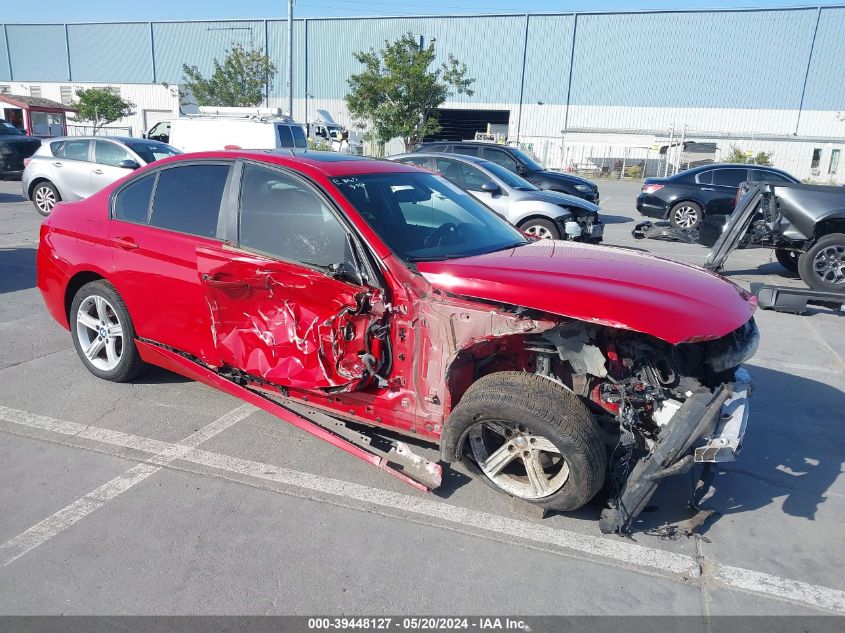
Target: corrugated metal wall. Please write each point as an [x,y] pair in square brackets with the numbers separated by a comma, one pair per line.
[724,59]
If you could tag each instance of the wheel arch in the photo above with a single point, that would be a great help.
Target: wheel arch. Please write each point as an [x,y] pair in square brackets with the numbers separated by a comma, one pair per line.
[37,181]
[76,282]
[828,226]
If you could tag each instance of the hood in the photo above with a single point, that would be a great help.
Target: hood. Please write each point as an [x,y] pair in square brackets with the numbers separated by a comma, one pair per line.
[610,286]
[555,197]
[562,177]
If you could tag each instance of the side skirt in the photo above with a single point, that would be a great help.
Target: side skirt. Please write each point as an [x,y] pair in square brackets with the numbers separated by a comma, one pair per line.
[399,461]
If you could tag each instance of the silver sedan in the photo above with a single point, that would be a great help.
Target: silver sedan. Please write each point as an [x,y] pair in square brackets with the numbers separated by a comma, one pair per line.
[543,214]
[74,167]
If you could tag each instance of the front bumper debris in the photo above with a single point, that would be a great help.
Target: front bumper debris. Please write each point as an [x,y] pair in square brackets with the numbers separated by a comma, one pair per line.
[725,443]
[718,418]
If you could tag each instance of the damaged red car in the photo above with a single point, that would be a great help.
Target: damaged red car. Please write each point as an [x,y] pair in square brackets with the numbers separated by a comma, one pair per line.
[336,292]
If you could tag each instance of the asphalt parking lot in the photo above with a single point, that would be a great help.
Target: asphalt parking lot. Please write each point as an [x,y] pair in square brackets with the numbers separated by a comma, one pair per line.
[163,496]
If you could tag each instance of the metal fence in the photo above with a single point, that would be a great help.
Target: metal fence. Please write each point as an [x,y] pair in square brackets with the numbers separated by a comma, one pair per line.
[87,130]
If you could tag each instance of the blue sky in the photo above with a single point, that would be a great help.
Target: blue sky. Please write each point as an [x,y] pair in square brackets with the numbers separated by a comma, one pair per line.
[109,10]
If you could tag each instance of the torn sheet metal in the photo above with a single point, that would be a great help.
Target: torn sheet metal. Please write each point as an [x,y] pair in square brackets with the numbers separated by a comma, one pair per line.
[288,325]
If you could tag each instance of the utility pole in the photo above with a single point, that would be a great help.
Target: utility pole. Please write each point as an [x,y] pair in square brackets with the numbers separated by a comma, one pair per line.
[289,59]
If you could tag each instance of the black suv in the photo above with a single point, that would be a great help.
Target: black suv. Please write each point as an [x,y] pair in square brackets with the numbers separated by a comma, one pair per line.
[15,146]
[519,162]
[685,198]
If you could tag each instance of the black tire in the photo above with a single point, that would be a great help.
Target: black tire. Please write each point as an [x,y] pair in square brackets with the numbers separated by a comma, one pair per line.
[822,267]
[130,364]
[788,259]
[47,196]
[538,407]
[686,209]
[544,229]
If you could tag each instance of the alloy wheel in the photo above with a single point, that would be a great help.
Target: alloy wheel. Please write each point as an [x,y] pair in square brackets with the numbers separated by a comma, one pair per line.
[685,217]
[45,199]
[99,332]
[518,461]
[829,264]
[537,230]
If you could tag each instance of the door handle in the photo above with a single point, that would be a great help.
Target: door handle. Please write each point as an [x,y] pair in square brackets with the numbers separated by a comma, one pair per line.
[224,284]
[126,243]
[97,171]
[57,164]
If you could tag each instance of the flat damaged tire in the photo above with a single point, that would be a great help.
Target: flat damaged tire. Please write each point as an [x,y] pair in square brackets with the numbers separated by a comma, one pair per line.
[530,438]
[103,334]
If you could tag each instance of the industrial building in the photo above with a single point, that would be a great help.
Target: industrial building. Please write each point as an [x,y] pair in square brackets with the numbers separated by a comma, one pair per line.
[591,92]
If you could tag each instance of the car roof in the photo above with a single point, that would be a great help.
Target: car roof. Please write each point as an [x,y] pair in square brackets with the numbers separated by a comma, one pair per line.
[464,158]
[486,143]
[119,139]
[329,164]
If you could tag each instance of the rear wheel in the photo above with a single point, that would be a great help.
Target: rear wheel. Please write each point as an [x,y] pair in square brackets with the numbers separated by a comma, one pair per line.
[788,259]
[822,267]
[685,215]
[103,334]
[530,438]
[45,196]
[543,229]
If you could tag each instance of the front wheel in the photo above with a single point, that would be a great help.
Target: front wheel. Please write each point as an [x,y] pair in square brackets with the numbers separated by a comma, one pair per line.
[103,334]
[542,229]
[822,267]
[530,438]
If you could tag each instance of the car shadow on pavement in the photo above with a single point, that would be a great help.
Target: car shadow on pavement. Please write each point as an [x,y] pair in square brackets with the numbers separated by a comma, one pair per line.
[11,197]
[159,376]
[769,268]
[17,269]
[792,454]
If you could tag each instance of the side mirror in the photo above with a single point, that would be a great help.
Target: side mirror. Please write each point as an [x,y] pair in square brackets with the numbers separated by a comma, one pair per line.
[128,164]
[491,187]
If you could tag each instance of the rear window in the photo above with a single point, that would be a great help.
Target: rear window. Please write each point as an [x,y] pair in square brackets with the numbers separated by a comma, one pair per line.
[729,177]
[187,199]
[133,202]
[299,139]
[291,136]
[705,177]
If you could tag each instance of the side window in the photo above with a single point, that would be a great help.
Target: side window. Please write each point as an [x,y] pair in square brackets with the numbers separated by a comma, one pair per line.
[467,150]
[106,153]
[133,202]
[187,199]
[285,136]
[705,177]
[761,175]
[75,150]
[283,217]
[729,177]
[57,148]
[461,174]
[499,157]
[435,148]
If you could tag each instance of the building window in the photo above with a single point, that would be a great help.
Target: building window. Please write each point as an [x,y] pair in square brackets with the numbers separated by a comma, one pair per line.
[35,91]
[115,90]
[66,94]
[5,89]
[817,157]
[834,161]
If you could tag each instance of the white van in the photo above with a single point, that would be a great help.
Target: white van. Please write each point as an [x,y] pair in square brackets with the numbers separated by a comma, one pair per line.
[230,128]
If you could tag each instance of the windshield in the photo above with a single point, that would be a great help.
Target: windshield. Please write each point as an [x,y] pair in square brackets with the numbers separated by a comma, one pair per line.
[7,129]
[529,161]
[424,217]
[151,152]
[508,177]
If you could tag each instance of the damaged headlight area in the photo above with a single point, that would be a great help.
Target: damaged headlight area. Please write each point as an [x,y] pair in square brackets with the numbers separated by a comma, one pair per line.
[581,224]
[662,407]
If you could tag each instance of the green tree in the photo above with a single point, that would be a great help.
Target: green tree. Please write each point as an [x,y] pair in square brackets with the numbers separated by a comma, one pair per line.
[736,155]
[243,79]
[101,106]
[397,94]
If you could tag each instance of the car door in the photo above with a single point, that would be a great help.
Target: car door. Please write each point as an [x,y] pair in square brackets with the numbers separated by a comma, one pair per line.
[285,300]
[473,179]
[106,166]
[72,169]
[158,222]
[726,181]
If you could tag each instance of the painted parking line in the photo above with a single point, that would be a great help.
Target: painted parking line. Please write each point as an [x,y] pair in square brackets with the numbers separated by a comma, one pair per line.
[56,523]
[609,549]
